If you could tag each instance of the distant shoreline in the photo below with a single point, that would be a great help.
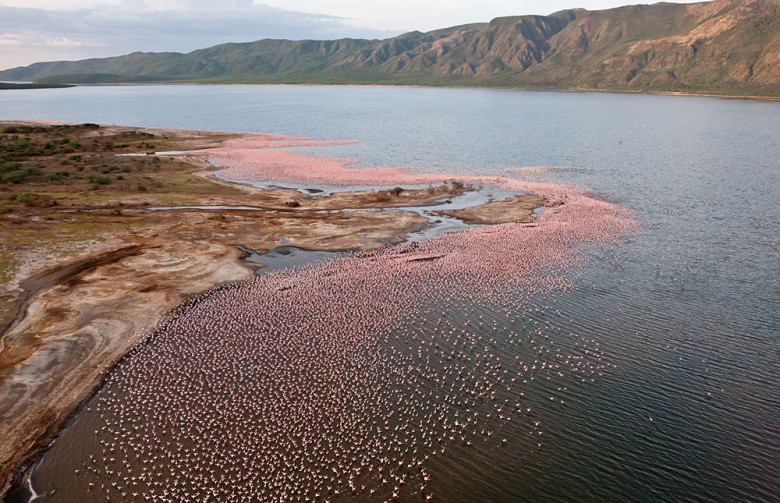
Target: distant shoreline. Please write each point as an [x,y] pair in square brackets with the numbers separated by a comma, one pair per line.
[32,85]
[752,97]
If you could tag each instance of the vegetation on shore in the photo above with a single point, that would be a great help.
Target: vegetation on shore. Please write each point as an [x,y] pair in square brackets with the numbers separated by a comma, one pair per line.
[52,177]
[78,164]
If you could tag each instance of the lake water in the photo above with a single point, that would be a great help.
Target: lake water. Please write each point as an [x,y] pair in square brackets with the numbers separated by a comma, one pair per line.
[685,314]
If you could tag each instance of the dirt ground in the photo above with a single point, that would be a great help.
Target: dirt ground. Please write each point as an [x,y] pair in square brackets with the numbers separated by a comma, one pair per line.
[519,209]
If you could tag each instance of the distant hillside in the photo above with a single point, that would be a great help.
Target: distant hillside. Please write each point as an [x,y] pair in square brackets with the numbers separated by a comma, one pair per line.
[723,46]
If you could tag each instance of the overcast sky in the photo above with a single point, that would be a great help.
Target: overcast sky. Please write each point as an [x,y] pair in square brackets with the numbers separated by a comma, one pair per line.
[51,30]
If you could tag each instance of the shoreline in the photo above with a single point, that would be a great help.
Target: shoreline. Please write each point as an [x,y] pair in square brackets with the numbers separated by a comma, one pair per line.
[381,289]
[710,94]
[54,430]
[56,352]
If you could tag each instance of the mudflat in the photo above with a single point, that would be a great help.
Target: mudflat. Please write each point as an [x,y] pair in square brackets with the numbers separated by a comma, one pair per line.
[107,228]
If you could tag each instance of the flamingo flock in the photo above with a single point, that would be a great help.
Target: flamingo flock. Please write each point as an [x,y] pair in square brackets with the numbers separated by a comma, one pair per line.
[348,377]
[260,158]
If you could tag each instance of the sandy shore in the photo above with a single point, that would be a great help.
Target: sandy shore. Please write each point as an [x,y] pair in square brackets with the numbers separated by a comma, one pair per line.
[78,309]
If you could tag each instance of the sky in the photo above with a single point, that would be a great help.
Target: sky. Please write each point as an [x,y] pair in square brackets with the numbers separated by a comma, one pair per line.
[54,30]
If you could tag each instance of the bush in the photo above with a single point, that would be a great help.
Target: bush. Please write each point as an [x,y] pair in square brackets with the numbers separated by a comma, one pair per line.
[22,129]
[25,198]
[99,179]
[54,177]
[15,177]
[6,167]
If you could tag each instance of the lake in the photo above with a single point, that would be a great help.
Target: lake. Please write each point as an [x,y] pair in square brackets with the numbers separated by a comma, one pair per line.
[682,402]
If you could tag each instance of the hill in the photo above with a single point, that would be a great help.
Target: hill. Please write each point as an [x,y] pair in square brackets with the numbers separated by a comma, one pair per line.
[722,46]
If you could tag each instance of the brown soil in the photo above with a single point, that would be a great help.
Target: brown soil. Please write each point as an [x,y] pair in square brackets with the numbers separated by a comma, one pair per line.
[519,209]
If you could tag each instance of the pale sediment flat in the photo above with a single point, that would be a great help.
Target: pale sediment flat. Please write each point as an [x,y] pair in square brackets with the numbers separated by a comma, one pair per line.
[85,324]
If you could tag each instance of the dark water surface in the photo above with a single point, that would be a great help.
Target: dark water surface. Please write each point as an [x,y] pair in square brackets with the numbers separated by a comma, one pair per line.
[682,399]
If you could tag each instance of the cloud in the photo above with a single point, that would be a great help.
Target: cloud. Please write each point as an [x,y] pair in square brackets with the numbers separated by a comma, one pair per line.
[9,40]
[65,42]
[158,26]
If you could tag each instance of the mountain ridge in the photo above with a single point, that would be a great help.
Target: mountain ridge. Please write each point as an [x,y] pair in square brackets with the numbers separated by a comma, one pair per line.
[719,47]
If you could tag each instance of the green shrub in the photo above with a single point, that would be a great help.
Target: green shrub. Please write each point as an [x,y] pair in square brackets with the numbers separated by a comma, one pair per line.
[54,177]
[99,179]
[24,198]
[6,167]
[15,176]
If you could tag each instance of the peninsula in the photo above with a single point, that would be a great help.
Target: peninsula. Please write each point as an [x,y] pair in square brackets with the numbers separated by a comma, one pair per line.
[107,228]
